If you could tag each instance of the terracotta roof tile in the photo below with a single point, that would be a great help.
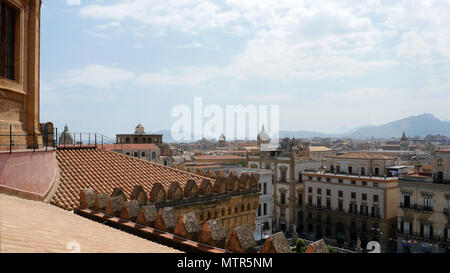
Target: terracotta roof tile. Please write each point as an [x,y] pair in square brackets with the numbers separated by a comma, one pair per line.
[104,170]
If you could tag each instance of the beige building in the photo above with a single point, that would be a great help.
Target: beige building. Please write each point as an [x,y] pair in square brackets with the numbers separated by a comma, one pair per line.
[287,166]
[441,166]
[424,214]
[361,163]
[320,153]
[343,209]
[19,72]
[423,222]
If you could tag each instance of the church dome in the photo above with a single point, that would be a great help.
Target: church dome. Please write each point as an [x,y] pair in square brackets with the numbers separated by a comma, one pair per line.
[66,137]
[263,136]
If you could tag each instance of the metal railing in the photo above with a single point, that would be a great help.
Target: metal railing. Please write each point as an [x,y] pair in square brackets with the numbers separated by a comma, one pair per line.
[417,207]
[13,142]
[49,139]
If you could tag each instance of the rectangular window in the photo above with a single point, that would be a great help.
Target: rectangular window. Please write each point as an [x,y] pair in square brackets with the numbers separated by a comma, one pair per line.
[328,192]
[259,211]
[364,197]
[341,194]
[353,195]
[319,191]
[341,181]
[319,202]
[310,190]
[265,188]
[328,204]
[7,41]
[406,228]
[427,202]
[265,209]
[283,199]
[375,198]
[341,205]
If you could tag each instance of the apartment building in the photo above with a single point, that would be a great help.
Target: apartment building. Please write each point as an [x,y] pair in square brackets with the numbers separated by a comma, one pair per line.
[424,213]
[345,207]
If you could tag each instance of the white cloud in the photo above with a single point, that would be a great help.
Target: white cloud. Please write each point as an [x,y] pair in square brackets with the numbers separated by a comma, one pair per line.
[73,2]
[191,45]
[97,76]
[290,39]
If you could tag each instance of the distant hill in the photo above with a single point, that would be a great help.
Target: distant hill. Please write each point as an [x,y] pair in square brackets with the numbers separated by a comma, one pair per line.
[422,125]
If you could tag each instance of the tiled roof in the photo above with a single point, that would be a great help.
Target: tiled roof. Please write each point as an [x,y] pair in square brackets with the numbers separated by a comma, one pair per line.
[115,147]
[36,227]
[319,149]
[364,155]
[221,157]
[444,150]
[104,170]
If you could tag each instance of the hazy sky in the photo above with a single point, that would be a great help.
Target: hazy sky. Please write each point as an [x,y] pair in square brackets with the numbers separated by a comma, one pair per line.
[330,65]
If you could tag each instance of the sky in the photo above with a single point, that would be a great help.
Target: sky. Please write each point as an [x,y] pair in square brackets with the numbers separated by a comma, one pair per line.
[330,65]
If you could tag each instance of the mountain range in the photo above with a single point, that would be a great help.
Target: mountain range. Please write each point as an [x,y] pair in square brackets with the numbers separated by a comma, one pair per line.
[421,125]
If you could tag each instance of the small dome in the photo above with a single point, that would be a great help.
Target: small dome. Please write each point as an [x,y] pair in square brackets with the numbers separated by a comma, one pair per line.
[66,137]
[263,136]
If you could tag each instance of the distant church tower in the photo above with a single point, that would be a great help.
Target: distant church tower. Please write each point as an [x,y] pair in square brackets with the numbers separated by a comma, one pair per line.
[222,140]
[404,143]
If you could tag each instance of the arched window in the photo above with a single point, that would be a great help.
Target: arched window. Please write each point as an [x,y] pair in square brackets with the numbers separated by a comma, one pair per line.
[149,140]
[136,140]
[127,140]
[440,162]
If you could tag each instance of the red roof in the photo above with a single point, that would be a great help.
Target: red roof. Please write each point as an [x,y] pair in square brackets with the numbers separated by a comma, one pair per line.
[104,170]
[221,157]
[444,150]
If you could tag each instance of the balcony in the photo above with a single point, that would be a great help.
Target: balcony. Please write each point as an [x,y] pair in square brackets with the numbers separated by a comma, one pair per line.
[420,208]
[421,237]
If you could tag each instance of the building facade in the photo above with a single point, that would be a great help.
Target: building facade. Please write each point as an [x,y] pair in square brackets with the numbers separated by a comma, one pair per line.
[264,216]
[19,72]
[424,214]
[287,166]
[140,137]
[344,205]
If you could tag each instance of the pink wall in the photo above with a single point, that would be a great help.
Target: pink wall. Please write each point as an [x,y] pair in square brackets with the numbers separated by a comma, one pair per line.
[28,175]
